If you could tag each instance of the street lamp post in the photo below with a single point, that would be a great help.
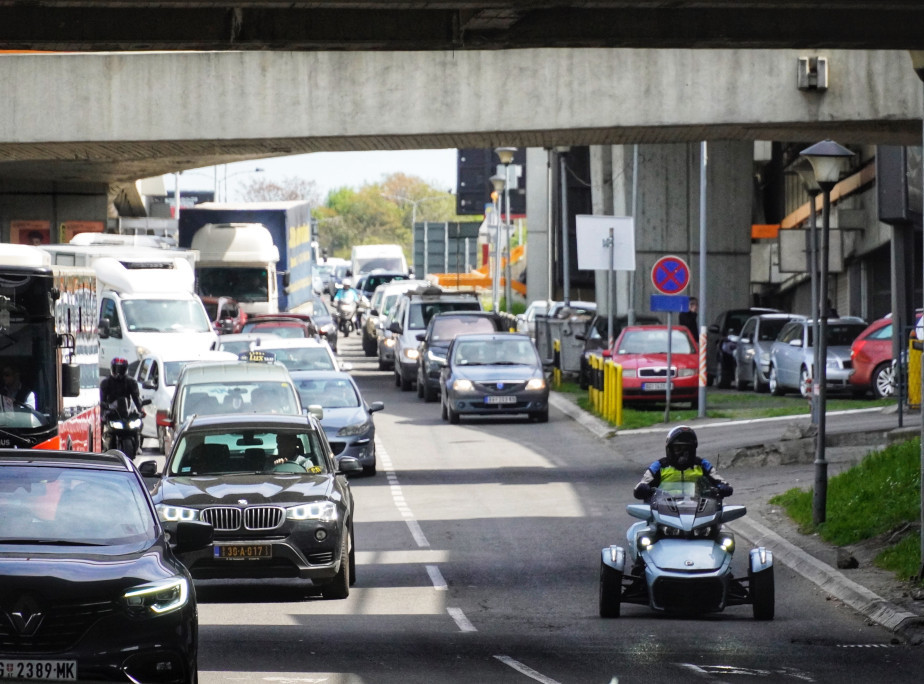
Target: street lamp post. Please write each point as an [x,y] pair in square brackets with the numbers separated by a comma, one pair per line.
[505,154]
[236,173]
[807,174]
[414,203]
[499,182]
[827,159]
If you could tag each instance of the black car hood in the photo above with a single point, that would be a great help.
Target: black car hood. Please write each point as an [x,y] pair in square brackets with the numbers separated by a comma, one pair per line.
[208,490]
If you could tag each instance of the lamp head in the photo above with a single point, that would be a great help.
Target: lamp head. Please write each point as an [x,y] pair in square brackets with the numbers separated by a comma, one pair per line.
[827,159]
[505,154]
[498,182]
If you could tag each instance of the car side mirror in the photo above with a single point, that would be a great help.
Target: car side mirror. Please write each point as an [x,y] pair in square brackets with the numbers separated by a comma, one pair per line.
[346,366]
[395,327]
[376,406]
[580,336]
[421,337]
[745,340]
[713,328]
[192,535]
[103,330]
[348,464]
[795,343]
[70,380]
[148,469]
[148,385]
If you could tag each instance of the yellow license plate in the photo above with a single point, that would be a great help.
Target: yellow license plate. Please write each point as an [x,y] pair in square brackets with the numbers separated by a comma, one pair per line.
[243,551]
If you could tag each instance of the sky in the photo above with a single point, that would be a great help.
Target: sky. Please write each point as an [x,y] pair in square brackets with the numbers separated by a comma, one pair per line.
[329,170]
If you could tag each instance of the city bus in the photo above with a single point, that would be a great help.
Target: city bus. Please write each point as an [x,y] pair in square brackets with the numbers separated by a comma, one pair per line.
[49,353]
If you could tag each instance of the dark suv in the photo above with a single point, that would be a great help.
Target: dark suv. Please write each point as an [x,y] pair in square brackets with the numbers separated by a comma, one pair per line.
[720,350]
[441,330]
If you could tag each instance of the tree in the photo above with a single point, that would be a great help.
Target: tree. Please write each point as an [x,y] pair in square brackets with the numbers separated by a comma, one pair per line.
[291,188]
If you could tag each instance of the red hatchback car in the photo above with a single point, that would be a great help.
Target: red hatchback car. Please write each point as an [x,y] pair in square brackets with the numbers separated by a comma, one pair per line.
[641,350]
[871,354]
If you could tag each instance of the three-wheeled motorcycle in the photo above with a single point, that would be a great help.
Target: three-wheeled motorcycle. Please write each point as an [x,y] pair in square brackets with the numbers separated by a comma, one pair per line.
[678,559]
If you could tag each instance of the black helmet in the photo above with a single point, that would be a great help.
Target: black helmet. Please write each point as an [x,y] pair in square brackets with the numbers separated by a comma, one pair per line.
[119,367]
[681,446]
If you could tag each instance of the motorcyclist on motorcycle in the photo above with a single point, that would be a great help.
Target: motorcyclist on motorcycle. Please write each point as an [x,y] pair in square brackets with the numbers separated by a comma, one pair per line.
[118,385]
[346,302]
[680,464]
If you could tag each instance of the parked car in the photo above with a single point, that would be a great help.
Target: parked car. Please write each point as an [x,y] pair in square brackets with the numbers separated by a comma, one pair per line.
[793,351]
[641,350]
[493,374]
[277,498]
[720,349]
[594,338]
[752,349]
[346,418]
[526,321]
[412,313]
[303,354]
[871,356]
[435,341]
[225,314]
[229,387]
[156,376]
[282,324]
[238,343]
[92,586]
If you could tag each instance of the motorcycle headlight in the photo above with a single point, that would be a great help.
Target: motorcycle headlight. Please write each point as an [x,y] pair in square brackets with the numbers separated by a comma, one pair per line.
[463,386]
[325,511]
[389,342]
[355,429]
[117,424]
[669,531]
[134,424]
[727,544]
[157,598]
[168,513]
[703,531]
[535,384]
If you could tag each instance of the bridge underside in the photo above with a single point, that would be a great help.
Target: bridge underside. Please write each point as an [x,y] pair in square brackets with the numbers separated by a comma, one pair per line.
[116,25]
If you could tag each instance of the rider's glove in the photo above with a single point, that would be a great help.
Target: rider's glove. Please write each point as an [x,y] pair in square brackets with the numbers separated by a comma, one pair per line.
[725,489]
[642,491]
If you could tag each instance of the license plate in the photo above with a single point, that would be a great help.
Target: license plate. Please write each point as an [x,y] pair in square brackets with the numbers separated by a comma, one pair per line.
[243,552]
[501,399]
[39,670]
[654,386]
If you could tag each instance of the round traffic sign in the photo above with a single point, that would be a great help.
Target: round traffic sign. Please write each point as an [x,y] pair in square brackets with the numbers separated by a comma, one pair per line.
[670,275]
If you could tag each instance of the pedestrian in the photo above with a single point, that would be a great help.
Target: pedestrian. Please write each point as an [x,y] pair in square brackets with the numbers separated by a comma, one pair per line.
[690,318]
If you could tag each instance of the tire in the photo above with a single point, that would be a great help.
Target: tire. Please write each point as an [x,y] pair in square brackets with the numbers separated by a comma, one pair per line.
[805,387]
[352,559]
[759,387]
[397,378]
[369,470]
[429,394]
[406,384]
[763,594]
[443,414]
[540,416]
[740,384]
[369,346]
[383,365]
[722,376]
[339,588]
[420,387]
[162,439]
[775,388]
[882,381]
[452,415]
[610,591]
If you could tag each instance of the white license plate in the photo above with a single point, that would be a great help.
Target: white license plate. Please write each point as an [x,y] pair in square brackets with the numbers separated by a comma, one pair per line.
[501,399]
[654,386]
[39,670]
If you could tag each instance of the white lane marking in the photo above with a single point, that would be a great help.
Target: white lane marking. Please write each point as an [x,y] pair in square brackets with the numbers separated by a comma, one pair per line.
[397,496]
[460,619]
[437,578]
[523,669]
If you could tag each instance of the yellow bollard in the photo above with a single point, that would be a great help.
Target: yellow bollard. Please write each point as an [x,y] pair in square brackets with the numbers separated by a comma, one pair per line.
[618,394]
[609,386]
[914,373]
[556,371]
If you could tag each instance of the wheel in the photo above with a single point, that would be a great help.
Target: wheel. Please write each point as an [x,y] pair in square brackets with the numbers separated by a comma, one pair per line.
[443,414]
[382,364]
[882,381]
[610,591]
[397,378]
[352,559]
[429,394]
[723,376]
[805,383]
[452,415]
[776,389]
[162,439]
[339,588]
[759,387]
[420,387]
[740,383]
[540,416]
[369,346]
[763,594]
[406,384]
[369,470]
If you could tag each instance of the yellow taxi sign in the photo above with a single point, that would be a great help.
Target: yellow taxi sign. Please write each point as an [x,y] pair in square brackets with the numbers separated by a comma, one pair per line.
[257,356]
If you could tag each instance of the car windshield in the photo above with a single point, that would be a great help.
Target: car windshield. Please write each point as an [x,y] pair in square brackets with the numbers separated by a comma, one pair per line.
[242,283]
[839,334]
[654,342]
[327,392]
[302,358]
[421,312]
[72,506]
[165,315]
[246,451]
[238,397]
[495,353]
[770,328]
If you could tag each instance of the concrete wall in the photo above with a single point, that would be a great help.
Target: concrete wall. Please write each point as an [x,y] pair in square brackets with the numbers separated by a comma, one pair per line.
[55,203]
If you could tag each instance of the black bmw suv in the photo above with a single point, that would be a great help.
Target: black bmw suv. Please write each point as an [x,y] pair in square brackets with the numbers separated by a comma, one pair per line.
[91,587]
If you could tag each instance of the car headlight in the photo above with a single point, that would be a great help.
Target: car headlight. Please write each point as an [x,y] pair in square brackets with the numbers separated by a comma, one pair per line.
[157,598]
[355,429]
[686,372]
[535,384]
[629,373]
[389,342]
[435,358]
[411,354]
[463,385]
[325,511]
[168,513]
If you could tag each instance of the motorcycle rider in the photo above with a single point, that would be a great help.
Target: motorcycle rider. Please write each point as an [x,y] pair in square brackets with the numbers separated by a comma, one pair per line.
[680,464]
[118,385]
[349,296]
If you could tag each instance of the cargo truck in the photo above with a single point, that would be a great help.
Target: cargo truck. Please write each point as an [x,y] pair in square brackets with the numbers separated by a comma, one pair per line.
[286,274]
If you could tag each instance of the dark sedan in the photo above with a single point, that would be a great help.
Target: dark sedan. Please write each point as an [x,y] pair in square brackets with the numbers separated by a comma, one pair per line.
[91,588]
[276,496]
[493,374]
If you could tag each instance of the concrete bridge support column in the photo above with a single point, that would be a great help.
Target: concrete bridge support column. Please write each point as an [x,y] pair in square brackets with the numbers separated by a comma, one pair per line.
[539,224]
[50,205]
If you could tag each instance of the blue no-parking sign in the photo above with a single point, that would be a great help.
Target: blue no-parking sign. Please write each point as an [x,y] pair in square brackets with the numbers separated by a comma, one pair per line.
[670,275]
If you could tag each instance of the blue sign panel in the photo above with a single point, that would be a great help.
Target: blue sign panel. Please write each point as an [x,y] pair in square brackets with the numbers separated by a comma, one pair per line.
[672,303]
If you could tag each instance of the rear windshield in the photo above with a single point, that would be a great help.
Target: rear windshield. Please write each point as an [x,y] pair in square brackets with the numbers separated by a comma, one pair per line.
[239,397]
[421,312]
[445,329]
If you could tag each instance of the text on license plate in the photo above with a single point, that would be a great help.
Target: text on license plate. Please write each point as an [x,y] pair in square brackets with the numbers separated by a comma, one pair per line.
[39,670]
[243,552]
[653,386]
[501,399]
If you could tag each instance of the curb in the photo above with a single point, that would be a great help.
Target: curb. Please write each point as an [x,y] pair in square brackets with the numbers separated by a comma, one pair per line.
[908,626]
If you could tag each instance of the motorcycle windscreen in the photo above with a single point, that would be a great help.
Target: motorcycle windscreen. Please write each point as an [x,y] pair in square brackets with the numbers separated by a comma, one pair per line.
[687,555]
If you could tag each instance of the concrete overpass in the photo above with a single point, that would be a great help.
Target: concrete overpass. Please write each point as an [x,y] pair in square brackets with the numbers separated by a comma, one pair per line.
[457,24]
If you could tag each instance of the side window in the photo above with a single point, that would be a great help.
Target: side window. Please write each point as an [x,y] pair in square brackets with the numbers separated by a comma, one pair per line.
[748,329]
[110,314]
[148,371]
[787,333]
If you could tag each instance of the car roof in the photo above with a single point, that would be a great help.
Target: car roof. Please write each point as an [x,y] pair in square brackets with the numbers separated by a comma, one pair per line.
[321,375]
[778,315]
[110,460]
[191,355]
[239,421]
[476,337]
[234,371]
[247,336]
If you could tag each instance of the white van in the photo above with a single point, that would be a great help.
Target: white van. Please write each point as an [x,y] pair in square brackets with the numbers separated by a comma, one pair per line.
[368,258]
[148,305]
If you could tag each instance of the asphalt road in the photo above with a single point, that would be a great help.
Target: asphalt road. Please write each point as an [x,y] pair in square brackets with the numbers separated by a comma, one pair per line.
[478,551]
